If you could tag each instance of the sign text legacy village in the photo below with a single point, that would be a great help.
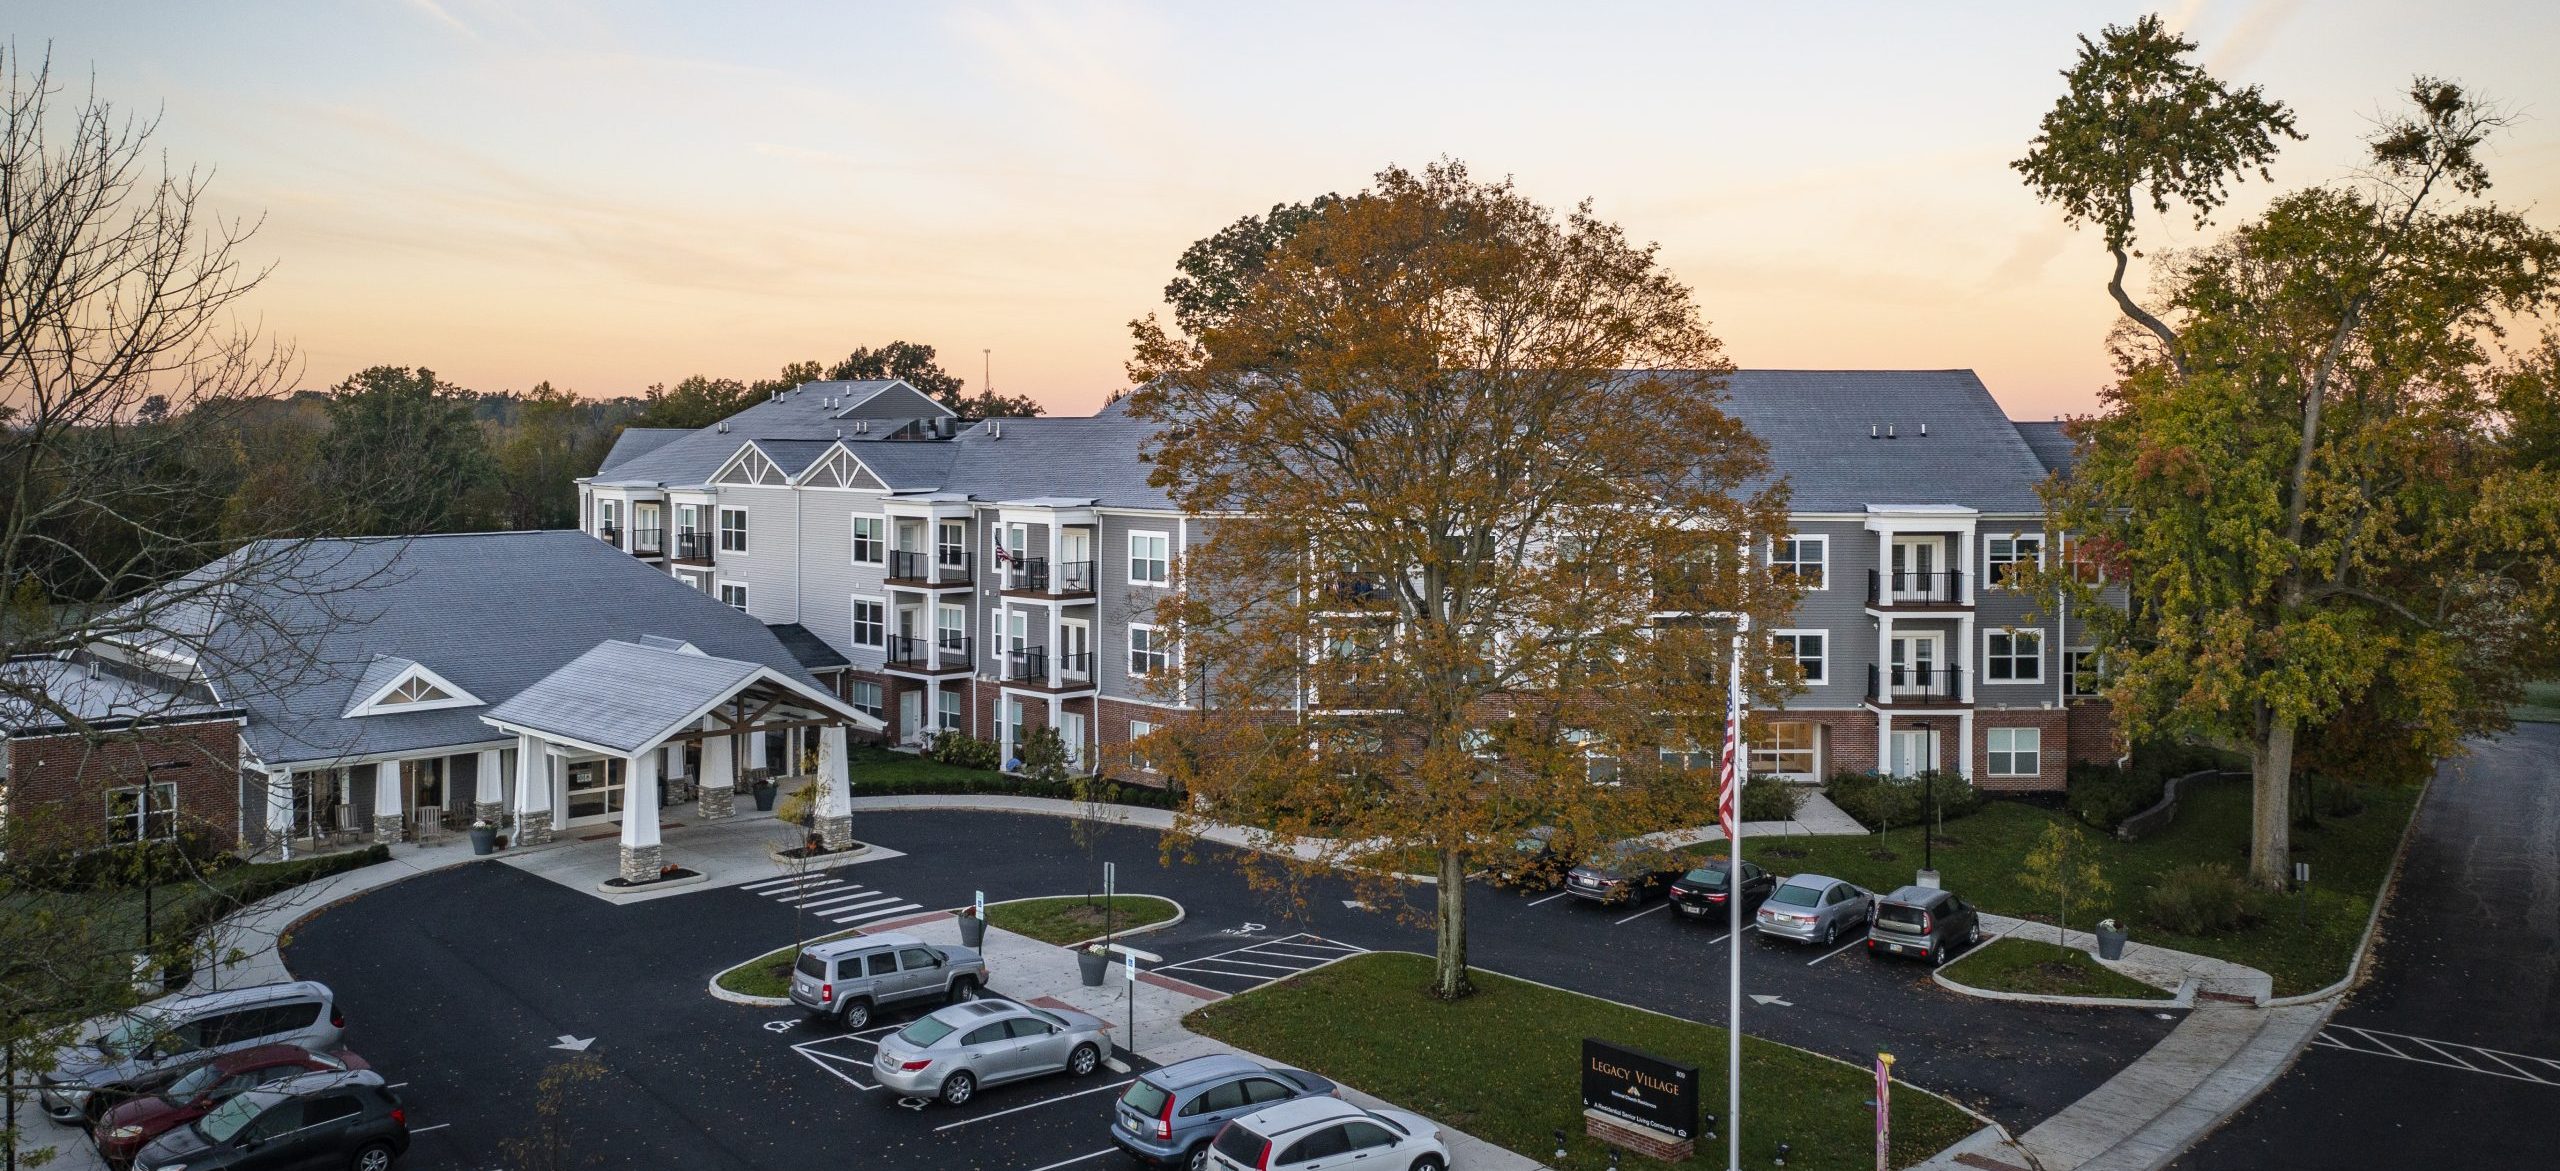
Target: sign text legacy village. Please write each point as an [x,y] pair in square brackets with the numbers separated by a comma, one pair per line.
[1638,1087]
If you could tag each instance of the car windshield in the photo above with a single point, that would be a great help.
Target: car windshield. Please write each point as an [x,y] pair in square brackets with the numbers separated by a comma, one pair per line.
[1898,915]
[925,1031]
[1710,877]
[133,1032]
[1792,895]
[197,1081]
[227,1119]
[1145,1097]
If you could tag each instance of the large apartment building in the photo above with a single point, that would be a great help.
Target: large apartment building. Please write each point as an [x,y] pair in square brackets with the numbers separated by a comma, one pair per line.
[998,576]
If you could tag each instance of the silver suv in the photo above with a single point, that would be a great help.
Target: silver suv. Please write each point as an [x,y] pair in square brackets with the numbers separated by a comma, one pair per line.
[180,1031]
[845,979]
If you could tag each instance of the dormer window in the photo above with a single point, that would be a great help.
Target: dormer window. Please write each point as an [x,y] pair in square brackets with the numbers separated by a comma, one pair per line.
[395,685]
[413,690]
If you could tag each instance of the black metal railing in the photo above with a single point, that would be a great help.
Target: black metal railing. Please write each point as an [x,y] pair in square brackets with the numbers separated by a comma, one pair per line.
[955,648]
[648,542]
[1029,664]
[1030,573]
[1078,667]
[1356,588]
[910,652]
[693,546]
[1075,577]
[953,562]
[609,533]
[1931,683]
[909,566]
[1912,587]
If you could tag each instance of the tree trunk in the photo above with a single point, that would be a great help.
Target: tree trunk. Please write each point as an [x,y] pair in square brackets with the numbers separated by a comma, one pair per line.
[2271,805]
[1449,978]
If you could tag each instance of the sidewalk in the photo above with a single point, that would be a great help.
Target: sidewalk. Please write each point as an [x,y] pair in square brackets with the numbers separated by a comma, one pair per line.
[1040,973]
[2191,976]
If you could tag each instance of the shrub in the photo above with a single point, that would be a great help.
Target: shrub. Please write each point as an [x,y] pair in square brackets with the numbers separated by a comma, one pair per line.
[1044,757]
[2103,795]
[1770,799]
[2205,898]
[963,751]
[1877,800]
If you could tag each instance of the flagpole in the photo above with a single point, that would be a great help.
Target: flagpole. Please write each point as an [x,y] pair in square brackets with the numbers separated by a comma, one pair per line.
[1738,768]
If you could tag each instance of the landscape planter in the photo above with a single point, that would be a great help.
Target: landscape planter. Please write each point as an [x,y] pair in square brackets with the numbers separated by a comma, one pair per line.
[973,932]
[1093,965]
[484,839]
[764,798]
[2111,939]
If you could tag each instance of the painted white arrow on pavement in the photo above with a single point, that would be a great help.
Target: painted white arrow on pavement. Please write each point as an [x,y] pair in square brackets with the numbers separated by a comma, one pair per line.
[1355,904]
[573,1044]
[1756,998]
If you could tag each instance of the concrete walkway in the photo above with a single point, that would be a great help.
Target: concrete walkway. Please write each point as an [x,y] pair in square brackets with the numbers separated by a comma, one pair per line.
[1040,973]
[2189,975]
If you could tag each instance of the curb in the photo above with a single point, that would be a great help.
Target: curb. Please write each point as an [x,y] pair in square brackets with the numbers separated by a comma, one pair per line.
[2373,919]
[2184,996]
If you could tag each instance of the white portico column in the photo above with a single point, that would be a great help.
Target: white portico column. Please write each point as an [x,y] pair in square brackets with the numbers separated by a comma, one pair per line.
[640,818]
[533,791]
[719,774]
[835,790]
[1964,746]
[280,811]
[386,802]
[755,756]
[489,803]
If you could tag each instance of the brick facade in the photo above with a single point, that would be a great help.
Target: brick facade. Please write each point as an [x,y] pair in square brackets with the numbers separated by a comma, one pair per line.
[58,785]
[2094,735]
[2053,764]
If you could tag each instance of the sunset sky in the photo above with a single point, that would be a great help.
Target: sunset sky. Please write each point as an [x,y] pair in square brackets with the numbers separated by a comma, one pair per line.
[606,195]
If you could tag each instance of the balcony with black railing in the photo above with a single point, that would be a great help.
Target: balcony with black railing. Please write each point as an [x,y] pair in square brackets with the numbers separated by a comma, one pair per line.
[693,546]
[610,533]
[648,542]
[1076,668]
[1355,589]
[1938,589]
[952,564]
[1028,665]
[939,655]
[1922,685]
[1074,577]
[907,565]
[910,653]
[1027,575]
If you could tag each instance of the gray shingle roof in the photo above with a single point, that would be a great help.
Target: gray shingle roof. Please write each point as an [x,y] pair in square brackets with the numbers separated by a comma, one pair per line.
[624,695]
[804,645]
[2051,446]
[492,612]
[1816,425]
[1088,458]
[94,692]
[635,442]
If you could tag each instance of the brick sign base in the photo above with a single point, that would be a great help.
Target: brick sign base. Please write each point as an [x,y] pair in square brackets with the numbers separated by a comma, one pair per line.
[1643,1140]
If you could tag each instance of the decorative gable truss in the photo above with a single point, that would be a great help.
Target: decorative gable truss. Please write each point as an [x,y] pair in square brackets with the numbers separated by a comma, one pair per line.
[842,469]
[410,688]
[750,468]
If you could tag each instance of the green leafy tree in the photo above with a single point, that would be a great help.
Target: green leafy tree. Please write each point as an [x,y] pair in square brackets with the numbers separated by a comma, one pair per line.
[404,451]
[2064,869]
[1214,274]
[916,364]
[553,438]
[2296,475]
[696,402]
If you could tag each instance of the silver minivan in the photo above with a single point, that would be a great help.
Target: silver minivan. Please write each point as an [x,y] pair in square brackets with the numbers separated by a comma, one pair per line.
[180,1031]
[845,979]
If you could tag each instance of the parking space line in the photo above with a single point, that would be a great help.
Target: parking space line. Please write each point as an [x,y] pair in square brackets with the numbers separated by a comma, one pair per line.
[878,913]
[1312,943]
[1276,953]
[2332,1037]
[425,1129]
[1031,1105]
[1641,914]
[1265,977]
[1259,964]
[1843,947]
[836,896]
[1549,899]
[1078,1159]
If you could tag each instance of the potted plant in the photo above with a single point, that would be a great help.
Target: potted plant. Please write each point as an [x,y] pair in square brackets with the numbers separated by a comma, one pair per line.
[2111,939]
[764,791]
[973,930]
[1092,961]
[484,838]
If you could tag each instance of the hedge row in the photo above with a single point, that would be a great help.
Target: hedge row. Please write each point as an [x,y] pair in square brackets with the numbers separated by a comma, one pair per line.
[1878,801]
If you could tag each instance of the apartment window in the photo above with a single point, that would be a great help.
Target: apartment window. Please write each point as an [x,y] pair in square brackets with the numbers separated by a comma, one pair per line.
[1787,751]
[1147,651]
[2013,656]
[608,515]
[1811,649]
[2005,555]
[870,540]
[1149,558]
[2080,672]
[947,709]
[1599,765]
[2085,566]
[1139,730]
[688,518]
[867,700]
[1807,559]
[1014,731]
[870,622]
[951,543]
[143,812]
[1688,759]
[733,594]
[2016,752]
[733,530]
[951,626]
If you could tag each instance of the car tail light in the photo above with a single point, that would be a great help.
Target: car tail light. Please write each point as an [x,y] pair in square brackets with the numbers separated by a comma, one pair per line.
[1264,1163]
[399,1116]
[1164,1119]
[1715,898]
[337,1017]
[826,993]
[912,1066]
[1928,922]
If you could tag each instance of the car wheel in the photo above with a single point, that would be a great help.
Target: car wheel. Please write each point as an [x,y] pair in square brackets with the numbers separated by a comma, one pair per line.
[964,988]
[1429,1163]
[1973,936]
[1830,933]
[372,1157]
[1082,1061]
[1200,1158]
[1936,955]
[856,1015]
[957,1089]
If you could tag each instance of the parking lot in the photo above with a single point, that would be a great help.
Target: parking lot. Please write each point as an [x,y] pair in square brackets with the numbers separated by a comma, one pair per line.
[469,980]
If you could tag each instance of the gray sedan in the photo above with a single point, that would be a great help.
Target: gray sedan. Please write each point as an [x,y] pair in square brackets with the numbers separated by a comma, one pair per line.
[1811,908]
[953,1051]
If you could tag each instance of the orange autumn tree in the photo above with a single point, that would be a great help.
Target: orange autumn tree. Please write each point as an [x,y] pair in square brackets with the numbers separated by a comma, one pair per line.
[1475,501]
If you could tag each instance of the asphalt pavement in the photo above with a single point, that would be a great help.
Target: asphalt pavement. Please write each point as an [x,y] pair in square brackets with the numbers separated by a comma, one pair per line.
[2449,1054]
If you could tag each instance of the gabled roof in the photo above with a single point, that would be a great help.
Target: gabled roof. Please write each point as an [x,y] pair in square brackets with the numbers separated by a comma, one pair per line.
[812,411]
[1816,424]
[2053,448]
[626,696]
[379,690]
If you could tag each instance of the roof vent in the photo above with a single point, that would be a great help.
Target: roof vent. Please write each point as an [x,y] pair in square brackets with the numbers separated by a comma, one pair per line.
[1924,430]
[724,426]
[1874,431]
[1888,432]
[995,430]
[839,432]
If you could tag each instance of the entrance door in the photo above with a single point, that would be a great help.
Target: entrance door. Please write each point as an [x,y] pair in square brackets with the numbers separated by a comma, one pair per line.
[1075,560]
[910,716]
[1915,565]
[1071,730]
[1912,752]
[595,790]
[424,781]
[1915,663]
[1075,649]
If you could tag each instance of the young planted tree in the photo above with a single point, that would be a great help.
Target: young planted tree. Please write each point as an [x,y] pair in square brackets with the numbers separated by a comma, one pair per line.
[1475,502]
[2298,474]
[2064,869]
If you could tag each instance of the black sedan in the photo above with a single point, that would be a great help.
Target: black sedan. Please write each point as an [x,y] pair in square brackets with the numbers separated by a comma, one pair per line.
[1629,872]
[1701,892]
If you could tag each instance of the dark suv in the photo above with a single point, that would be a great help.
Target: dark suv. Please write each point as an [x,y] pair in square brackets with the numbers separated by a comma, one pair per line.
[346,1118]
[1924,922]
[1701,891]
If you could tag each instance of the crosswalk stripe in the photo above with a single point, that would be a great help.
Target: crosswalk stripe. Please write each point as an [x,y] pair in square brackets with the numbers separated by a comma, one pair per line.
[846,894]
[877,914]
[783,881]
[868,901]
[803,894]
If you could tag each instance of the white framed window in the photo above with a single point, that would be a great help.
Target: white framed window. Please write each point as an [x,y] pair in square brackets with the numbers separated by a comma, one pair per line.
[143,812]
[2001,557]
[951,626]
[696,580]
[608,516]
[1013,725]
[946,703]
[734,594]
[1139,730]
[688,518]
[951,542]
[1148,653]
[868,700]
[1811,650]
[1689,760]
[870,622]
[1786,751]
[2016,752]
[2013,656]
[733,529]
[1599,765]
[1150,558]
[870,540]
[1803,557]
[2080,672]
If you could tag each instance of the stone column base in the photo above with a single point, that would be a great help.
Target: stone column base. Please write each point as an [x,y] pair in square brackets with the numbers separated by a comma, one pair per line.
[719,804]
[836,833]
[640,863]
[489,811]
[386,828]
[533,827]
[1643,1140]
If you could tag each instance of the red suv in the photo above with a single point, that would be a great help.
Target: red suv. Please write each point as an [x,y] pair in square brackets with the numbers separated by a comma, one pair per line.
[123,1130]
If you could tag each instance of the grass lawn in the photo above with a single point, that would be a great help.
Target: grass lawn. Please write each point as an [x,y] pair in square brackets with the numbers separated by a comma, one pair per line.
[1075,918]
[769,974]
[873,766]
[1981,857]
[2017,964]
[2541,703]
[1505,1064]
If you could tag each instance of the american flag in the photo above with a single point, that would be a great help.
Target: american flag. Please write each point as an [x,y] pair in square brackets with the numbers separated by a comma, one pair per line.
[1729,773]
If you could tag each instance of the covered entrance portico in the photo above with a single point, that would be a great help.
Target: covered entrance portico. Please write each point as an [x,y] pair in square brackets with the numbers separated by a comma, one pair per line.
[601,738]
